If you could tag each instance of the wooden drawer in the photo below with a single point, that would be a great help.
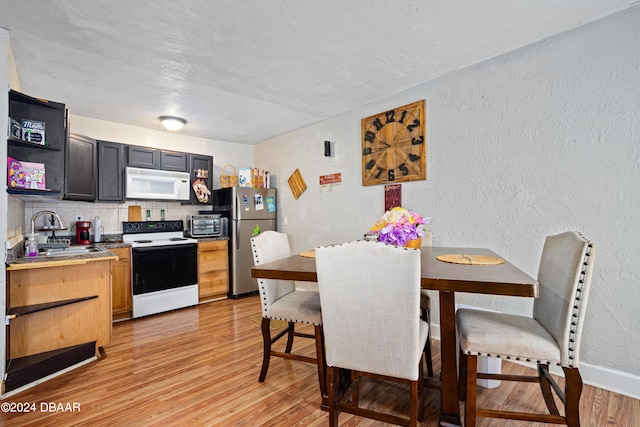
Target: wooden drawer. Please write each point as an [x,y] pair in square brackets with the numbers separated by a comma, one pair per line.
[213,267]
[123,253]
[213,283]
[212,261]
[214,245]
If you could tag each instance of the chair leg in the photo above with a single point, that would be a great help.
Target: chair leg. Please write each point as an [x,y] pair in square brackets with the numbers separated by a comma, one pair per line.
[266,341]
[420,392]
[545,387]
[321,362]
[425,315]
[471,371]
[292,327]
[573,390]
[355,388]
[462,377]
[427,353]
[334,384]
[413,415]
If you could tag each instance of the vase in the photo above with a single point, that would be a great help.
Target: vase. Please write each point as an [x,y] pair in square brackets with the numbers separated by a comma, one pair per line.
[415,243]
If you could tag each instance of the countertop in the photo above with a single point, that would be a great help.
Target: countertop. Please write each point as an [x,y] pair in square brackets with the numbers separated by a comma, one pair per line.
[51,261]
[113,245]
[26,263]
[210,239]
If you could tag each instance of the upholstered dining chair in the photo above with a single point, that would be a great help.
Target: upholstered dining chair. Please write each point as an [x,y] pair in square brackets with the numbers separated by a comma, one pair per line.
[370,299]
[550,337]
[281,301]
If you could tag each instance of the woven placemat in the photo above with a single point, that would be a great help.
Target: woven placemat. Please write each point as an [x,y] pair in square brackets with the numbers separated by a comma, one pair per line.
[308,254]
[470,259]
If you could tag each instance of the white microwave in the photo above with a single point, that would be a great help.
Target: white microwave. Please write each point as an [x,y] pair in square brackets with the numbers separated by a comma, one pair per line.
[156,184]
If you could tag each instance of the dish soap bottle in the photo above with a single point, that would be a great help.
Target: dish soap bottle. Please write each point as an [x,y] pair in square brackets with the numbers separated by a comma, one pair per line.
[31,246]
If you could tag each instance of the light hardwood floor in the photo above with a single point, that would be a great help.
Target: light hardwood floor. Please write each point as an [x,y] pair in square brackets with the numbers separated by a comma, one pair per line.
[199,367]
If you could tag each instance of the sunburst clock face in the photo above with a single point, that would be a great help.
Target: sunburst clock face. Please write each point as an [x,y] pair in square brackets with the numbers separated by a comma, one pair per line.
[394,146]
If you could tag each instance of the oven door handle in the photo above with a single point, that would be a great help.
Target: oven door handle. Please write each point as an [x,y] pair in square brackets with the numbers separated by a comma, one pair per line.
[162,247]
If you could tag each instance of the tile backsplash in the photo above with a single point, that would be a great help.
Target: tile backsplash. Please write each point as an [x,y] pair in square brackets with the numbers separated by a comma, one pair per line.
[111,214]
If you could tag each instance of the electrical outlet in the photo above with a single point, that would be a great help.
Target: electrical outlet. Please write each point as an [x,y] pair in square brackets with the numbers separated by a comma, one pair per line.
[78,217]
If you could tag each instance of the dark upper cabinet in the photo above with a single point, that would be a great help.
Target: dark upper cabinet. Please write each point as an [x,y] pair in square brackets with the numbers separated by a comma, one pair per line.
[80,168]
[173,161]
[200,168]
[54,116]
[111,164]
[143,157]
[152,158]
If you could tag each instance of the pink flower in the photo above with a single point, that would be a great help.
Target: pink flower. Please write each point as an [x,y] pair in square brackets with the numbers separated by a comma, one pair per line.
[399,225]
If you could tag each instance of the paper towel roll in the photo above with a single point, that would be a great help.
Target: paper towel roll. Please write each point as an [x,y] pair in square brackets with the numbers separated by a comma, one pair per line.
[97,230]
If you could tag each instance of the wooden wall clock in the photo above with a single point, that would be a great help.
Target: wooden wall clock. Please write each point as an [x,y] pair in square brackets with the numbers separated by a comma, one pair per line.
[394,146]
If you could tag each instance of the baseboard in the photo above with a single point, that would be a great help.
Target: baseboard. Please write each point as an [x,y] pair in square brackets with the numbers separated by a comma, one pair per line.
[597,376]
[609,379]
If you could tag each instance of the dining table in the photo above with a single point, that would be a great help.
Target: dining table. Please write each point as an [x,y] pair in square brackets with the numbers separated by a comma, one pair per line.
[447,278]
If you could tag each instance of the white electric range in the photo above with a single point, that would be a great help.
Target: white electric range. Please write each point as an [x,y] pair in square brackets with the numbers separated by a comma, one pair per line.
[164,266]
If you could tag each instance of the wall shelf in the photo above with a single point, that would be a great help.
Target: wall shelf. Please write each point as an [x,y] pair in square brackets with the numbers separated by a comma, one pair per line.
[20,143]
[54,115]
[25,370]
[13,312]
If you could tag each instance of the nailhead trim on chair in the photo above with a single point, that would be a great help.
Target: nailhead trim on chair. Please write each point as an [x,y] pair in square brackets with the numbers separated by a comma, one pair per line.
[375,242]
[263,300]
[575,313]
[577,300]
[297,321]
[510,357]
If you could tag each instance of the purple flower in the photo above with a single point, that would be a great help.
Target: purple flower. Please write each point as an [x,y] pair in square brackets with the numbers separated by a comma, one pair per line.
[399,225]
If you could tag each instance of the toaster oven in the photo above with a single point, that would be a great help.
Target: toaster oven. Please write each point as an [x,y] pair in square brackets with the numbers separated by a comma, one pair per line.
[204,226]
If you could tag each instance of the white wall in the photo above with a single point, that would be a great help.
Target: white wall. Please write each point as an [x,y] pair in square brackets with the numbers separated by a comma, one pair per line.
[528,144]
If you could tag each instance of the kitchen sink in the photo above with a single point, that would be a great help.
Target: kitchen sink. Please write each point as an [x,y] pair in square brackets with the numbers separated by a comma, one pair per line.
[70,251]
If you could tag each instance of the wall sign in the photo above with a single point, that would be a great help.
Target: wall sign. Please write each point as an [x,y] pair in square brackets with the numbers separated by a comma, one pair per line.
[330,180]
[392,196]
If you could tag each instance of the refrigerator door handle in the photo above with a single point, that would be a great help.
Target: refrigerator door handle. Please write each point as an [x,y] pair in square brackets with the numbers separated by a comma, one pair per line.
[237,234]
[238,210]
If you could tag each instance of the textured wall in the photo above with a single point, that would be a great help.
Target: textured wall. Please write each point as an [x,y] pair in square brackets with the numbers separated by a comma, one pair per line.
[528,144]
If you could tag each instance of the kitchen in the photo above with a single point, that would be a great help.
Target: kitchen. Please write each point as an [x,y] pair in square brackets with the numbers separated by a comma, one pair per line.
[165,263]
[521,200]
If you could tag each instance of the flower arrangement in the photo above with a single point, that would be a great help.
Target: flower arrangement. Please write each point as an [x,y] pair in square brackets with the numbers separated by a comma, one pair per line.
[399,225]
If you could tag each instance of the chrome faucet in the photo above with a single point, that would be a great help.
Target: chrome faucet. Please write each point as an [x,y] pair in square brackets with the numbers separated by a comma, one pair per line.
[53,214]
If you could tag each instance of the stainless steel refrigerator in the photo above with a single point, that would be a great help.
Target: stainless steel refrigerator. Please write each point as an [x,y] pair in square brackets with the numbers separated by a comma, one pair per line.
[247,210]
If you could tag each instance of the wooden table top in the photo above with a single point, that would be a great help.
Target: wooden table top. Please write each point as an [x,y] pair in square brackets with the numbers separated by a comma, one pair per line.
[501,279]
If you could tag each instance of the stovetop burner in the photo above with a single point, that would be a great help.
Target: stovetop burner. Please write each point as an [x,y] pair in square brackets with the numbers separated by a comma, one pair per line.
[155,233]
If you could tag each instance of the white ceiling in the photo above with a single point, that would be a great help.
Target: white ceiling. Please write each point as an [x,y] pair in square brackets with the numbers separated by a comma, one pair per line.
[247,70]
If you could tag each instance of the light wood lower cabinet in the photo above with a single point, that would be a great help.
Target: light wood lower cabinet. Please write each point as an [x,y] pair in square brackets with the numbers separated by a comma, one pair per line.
[58,315]
[121,284]
[213,269]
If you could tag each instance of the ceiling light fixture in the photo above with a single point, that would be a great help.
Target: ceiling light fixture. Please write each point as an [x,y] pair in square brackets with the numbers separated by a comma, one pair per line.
[172,123]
